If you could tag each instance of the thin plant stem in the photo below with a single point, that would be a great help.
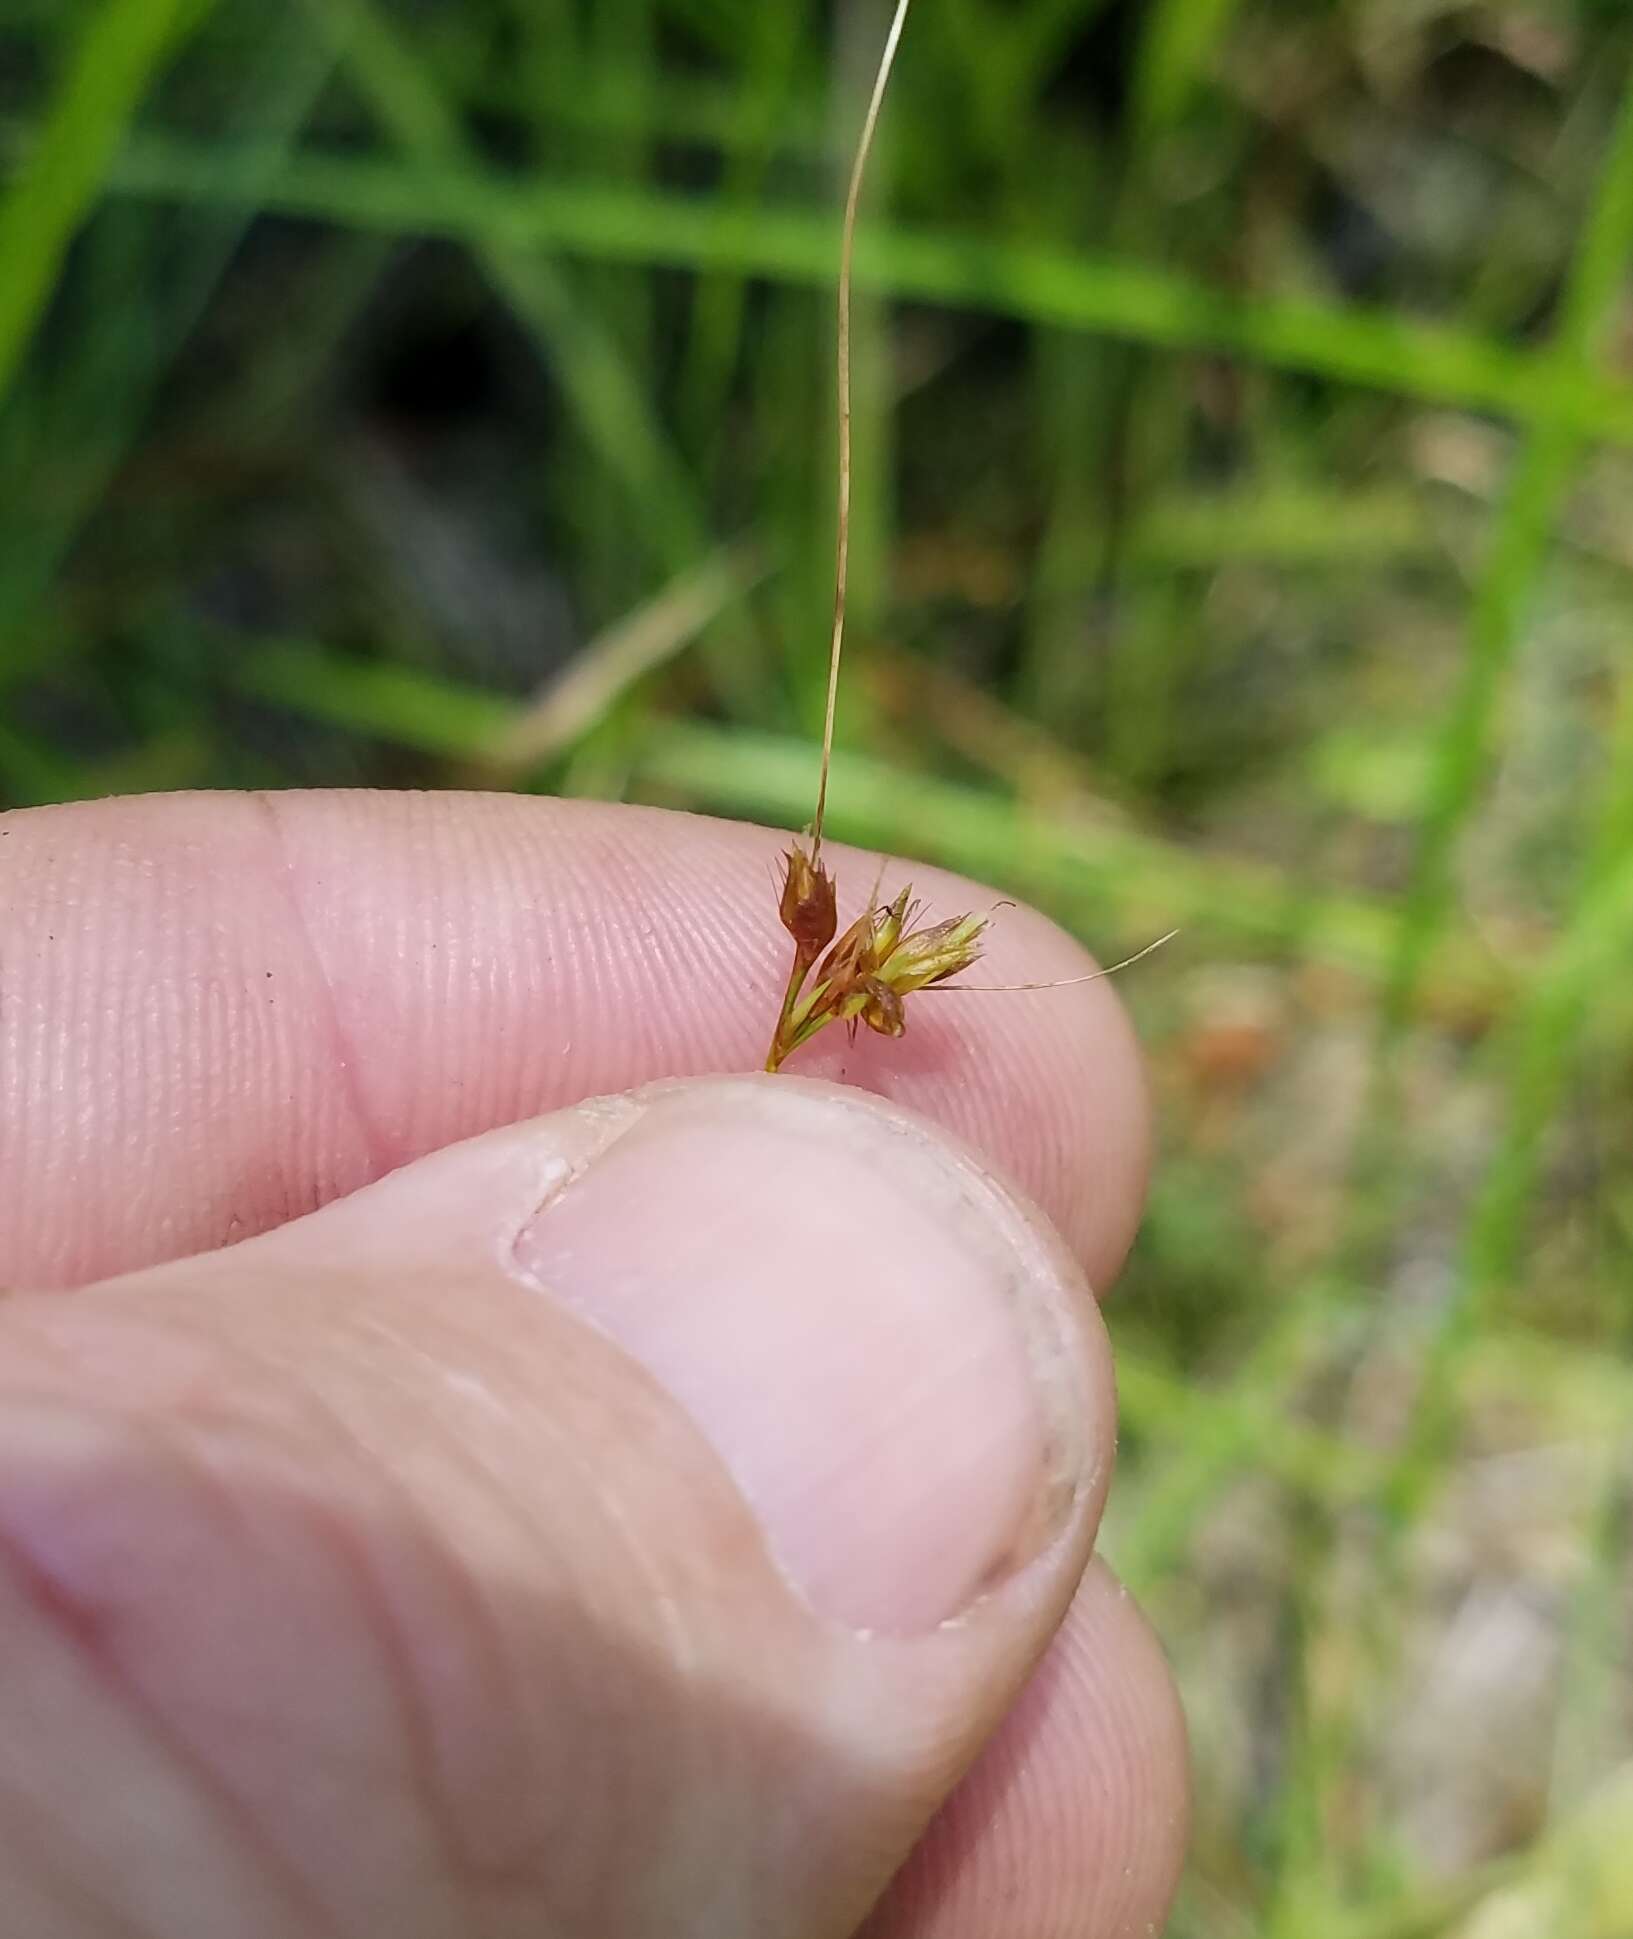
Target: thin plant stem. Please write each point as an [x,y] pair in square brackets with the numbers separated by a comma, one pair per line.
[847,249]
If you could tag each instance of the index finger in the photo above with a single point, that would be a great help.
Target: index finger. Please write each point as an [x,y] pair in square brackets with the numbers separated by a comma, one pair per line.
[218,1012]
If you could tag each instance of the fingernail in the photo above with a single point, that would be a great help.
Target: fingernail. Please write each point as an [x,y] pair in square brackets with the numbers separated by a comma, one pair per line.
[871,1332]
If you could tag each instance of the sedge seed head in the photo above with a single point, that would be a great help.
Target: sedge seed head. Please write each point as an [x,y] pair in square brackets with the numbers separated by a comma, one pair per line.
[931,955]
[808,908]
[866,975]
[882,1008]
[854,956]
[889,923]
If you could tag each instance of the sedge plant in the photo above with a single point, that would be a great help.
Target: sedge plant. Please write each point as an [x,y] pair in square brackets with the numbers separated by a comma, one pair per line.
[887,954]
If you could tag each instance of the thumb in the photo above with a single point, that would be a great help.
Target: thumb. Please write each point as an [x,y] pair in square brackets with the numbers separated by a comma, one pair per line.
[629,1522]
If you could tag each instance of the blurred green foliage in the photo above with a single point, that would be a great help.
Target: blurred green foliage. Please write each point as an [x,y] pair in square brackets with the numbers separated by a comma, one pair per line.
[1245,421]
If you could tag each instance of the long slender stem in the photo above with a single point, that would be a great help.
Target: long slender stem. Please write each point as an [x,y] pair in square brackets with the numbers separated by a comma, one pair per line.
[842,552]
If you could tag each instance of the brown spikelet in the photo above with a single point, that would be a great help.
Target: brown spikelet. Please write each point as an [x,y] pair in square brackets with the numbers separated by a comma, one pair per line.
[878,962]
[808,909]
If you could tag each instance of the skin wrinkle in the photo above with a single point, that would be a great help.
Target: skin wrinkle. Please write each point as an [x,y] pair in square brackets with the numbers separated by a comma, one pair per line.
[272,1374]
[683,952]
[143,1044]
[320,1516]
[452,1454]
[216,1488]
[423,1761]
[429,958]
[378,1153]
[624,977]
[482,1630]
[154,1796]
[63,1613]
[678,1668]
[29,1836]
[567,961]
[198,1019]
[368,1775]
[424,1781]
[502,884]
[507,973]
[221,1361]
[32,1068]
[39,1338]
[275,1374]
[562,1455]
[590,968]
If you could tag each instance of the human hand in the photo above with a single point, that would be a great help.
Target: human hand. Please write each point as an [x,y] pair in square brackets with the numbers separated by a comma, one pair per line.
[668,1515]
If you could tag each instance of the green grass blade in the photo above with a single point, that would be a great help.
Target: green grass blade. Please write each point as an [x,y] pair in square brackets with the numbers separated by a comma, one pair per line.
[1177,42]
[1376,349]
[609,402]
[117,58]
[98,420]
[1520,547]
[378,699]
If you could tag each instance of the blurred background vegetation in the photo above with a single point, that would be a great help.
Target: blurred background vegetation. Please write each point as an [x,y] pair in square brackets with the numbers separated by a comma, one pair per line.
[396,394]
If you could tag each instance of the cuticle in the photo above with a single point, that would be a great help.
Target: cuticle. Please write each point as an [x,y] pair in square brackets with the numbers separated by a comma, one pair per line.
[614,1118]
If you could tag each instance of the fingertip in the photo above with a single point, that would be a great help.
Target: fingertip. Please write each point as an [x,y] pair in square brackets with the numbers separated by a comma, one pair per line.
[315,988]
[1073,1822]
